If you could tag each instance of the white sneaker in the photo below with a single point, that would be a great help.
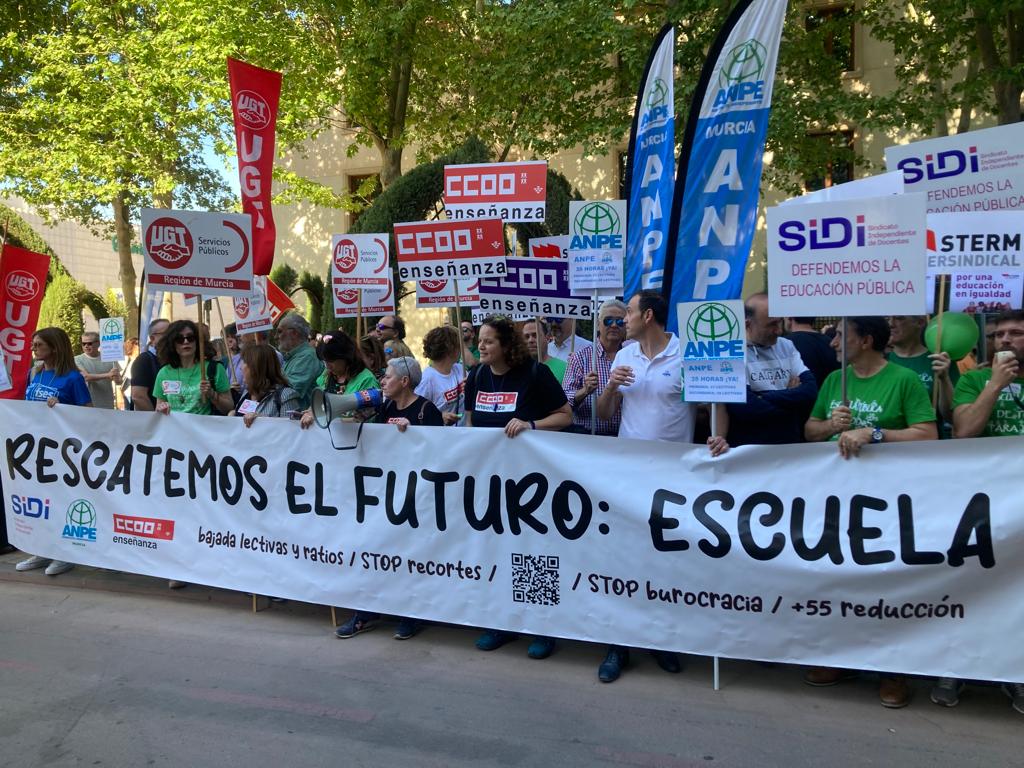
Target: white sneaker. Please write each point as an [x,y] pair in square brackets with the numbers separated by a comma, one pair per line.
[58,567]
[32,563]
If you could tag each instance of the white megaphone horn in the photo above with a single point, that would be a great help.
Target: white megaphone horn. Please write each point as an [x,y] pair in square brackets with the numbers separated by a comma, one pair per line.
[327,407]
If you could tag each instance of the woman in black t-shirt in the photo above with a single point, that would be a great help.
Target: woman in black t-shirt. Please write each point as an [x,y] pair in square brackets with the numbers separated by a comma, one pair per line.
[401,408]
[509,389]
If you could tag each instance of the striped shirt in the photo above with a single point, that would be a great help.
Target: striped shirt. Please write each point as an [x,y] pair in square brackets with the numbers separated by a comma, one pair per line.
[580,364]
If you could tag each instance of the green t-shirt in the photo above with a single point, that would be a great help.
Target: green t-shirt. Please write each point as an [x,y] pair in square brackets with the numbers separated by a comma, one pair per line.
[891,399]
[922,366]
[1007,417]
[362,380]
[180,388]
[557,367]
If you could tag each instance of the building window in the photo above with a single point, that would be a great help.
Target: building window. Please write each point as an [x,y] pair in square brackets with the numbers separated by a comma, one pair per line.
[363,189]
[835,25]
[836,151]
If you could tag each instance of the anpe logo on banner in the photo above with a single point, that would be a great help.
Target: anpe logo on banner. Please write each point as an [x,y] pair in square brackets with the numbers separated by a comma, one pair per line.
[30,506]
[147,527]
[111,328]
[22,285]
[715,332]
[253,110]
[827,232]
[346,256]
[598,226]
[81,522]
[741,76]
[169,242]
[940,165]
[657,112]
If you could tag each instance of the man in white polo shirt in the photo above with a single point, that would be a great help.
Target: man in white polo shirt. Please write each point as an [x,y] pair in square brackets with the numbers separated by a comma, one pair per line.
[646,379]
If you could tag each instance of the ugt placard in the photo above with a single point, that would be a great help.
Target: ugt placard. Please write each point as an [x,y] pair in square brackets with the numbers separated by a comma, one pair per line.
[198,252]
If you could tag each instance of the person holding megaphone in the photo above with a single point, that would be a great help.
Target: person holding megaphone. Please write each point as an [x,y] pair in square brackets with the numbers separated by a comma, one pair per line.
[345,373]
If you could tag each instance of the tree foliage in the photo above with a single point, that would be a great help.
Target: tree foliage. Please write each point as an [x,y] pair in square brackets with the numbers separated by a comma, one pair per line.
[62,307]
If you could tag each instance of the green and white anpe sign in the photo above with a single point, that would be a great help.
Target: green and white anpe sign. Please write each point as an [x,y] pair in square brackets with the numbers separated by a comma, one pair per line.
[597,244]
[111,339]
[713,337]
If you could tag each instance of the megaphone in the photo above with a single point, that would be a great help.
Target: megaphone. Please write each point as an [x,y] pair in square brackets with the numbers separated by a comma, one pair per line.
[327,407]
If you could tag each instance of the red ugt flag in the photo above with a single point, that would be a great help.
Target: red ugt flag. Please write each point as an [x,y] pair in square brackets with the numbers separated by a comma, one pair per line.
[255,94]
[22,283]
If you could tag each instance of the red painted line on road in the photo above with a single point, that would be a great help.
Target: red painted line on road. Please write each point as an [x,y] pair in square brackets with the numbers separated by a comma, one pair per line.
[6,664]
[274,703]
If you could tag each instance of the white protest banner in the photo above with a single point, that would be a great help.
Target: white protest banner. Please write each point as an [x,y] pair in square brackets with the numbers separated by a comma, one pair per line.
[855,257]
[906,560]
[111,339]
[986,241]
[189,250]
[5,374]
[513,192]
[713,336]
[597,246]
[974,171]
[871,186]
[253,312]
[375,302]
[359,261]
[534,287]
[441,293]
[985,292]
[439,250]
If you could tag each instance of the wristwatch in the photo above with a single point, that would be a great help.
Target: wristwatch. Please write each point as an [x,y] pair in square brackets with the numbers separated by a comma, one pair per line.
[877,435]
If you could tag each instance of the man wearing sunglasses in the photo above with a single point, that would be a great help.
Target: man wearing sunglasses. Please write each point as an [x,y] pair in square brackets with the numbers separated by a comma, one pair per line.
[98,374]
[583,384]
[563,339]
[390,328]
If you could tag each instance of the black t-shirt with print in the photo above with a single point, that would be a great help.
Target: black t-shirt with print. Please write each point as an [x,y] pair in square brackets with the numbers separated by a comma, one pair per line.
[422,413]
[528,392]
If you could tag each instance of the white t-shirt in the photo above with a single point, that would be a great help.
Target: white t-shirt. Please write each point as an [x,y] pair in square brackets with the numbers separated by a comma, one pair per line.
[443,391]
[652,406]
[561,351]
[771,367]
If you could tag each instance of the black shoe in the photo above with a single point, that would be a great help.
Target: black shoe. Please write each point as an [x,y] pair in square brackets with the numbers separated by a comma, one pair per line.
[613,664]
[669,661]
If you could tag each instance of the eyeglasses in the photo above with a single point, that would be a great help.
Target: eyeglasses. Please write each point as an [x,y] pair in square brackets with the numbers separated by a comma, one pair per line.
[89,343]
[382,327]
[183,338]
[388,350]
[616,321]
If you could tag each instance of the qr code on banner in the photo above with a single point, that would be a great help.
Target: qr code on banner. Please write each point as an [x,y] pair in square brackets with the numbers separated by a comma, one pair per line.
[535,579]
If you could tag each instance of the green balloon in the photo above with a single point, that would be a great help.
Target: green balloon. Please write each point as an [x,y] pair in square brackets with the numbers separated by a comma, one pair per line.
[959,334]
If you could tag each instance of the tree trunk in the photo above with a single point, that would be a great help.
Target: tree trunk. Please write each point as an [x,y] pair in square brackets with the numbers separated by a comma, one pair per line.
[165,200]
[390,163]
[126,269]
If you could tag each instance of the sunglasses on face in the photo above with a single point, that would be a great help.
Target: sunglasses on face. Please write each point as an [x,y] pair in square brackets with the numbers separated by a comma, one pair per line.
[616,321]
[184,338]
[89,343]
[382,327]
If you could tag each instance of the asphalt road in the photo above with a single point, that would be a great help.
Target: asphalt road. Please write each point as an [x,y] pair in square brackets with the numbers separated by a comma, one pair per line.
[100,669]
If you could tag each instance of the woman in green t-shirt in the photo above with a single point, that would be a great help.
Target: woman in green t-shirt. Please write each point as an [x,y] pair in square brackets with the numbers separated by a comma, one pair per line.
[345,371]
[181,386]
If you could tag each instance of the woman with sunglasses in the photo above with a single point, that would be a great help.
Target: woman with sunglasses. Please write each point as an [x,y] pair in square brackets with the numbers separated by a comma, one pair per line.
[403,408]
[511,391]
[582,384]
[55,379]
[180,385]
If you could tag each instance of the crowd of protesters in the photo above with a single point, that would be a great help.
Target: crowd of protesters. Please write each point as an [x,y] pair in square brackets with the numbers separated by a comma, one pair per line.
[540,375]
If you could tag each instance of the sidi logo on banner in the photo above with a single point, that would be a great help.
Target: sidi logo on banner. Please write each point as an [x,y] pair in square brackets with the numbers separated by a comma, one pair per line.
[255,94]
[826,232]
[939,165]
[22,284]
